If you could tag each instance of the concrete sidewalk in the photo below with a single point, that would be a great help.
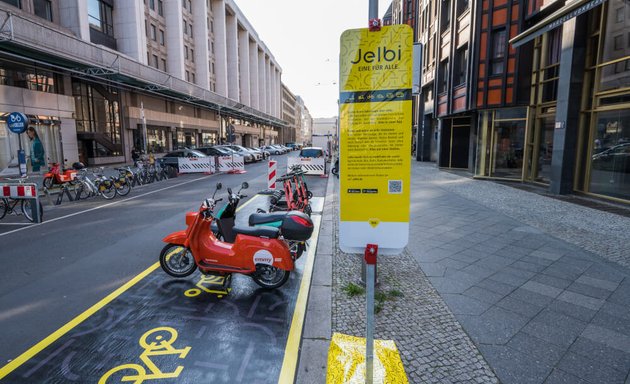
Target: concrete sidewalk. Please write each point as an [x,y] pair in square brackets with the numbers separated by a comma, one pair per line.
[497,284]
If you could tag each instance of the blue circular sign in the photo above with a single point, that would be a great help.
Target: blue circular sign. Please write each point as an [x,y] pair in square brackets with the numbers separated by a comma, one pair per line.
[17,122]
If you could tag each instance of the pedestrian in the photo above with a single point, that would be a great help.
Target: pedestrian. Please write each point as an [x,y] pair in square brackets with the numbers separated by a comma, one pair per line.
[135,155]
[37,150]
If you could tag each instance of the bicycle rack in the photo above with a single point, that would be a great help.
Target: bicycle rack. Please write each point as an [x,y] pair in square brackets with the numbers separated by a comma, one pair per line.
[64,191]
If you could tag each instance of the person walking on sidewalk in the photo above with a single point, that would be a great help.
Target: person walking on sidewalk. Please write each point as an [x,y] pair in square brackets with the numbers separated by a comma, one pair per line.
[37,150]
[135,155]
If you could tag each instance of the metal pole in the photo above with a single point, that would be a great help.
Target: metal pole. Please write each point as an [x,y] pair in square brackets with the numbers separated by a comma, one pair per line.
[144,128]
[371,251]
[373,13]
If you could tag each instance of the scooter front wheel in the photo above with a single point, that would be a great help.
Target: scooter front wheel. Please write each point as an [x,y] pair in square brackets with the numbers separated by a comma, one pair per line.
[177,260]
[270,277]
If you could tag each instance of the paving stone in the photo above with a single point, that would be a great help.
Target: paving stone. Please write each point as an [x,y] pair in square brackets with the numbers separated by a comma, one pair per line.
[602,353]
[496,286]
[433,269]
[582,300]
[543,289]
[484,295]
[495,326]
[547,353]
[617,310]
[531,267]
[576,311]
[589,290]
[598,283]
[518,306]
[531,297]
[590,370]
[512,366]
[509,278]
[552,281]
[452,263]
[463,305]
[608,337]
[559,376]
[555,328]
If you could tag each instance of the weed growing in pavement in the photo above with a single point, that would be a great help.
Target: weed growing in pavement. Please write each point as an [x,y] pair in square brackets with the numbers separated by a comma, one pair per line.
[351,289]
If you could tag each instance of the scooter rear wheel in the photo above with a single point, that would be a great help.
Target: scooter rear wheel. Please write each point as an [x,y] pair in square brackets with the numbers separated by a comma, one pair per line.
[48,182]
[177,260]
[270,277]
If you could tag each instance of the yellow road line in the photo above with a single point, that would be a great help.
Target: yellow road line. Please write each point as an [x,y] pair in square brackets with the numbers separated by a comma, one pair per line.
[292,350]
[4,371]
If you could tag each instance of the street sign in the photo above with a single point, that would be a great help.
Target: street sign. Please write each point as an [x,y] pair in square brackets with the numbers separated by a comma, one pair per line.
[17,122]
[375,138]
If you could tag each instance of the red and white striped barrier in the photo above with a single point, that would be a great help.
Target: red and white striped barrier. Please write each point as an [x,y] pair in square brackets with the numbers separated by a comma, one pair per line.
[271,174]
[18,191]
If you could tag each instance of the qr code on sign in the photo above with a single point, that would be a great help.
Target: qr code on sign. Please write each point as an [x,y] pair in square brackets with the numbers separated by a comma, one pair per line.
[395,186]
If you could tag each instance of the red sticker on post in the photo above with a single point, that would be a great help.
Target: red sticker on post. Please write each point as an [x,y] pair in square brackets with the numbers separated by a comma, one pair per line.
[371,250]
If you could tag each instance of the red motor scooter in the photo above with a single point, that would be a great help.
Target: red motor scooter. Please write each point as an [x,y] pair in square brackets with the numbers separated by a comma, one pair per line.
[58,176]
[259,252]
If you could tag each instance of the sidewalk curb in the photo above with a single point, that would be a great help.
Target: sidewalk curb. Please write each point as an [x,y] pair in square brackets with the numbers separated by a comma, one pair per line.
[318,323]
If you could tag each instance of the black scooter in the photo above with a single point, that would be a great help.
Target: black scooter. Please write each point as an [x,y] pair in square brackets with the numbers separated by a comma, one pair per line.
[286,222]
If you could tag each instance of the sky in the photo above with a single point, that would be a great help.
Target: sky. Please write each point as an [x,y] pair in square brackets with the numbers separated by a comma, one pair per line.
[303,36]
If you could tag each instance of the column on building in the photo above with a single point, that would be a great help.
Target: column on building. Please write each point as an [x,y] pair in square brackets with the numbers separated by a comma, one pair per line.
[231,36]
[200,28]
[73,15]
[262,99]
[268,86]
[278,88]
[244,72]
[174,38]
[131,37]
[253,75]
[220,48]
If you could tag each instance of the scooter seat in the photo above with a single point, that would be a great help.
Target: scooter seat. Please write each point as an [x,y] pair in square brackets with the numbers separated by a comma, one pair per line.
[266,218]
[268,232]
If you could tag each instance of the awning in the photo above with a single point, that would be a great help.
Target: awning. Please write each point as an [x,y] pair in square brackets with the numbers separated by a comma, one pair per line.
[570,10]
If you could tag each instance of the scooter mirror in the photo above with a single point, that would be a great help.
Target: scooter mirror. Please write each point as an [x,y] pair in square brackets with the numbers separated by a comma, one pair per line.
[219,186]
[229,191]
[244,185]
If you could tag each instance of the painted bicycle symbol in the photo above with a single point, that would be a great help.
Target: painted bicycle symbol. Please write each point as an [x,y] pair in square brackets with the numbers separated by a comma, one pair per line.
[156,342]
[216,284]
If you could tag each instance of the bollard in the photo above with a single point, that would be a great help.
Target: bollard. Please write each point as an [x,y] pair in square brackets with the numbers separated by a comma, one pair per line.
[271,174]
[371,250]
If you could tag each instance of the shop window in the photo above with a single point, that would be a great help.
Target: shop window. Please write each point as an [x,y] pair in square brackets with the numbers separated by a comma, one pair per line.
[610,160]
[497,63]
[43,9]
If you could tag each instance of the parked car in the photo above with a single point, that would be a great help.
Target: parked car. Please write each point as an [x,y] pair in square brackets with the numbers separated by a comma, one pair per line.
[292,146]
[263,153]
[171,158]
[282,148]
[214,151]
[248,157]
[241,149]
[316,152]
[615,158]
[272,149]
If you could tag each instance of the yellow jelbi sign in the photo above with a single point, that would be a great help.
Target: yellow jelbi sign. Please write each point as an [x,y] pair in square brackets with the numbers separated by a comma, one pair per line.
[375,137]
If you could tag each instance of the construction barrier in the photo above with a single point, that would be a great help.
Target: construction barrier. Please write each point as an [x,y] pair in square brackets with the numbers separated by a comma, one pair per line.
[231,164]
[271,174]
[196,164]
[346,361]
[310,165]
[23,191]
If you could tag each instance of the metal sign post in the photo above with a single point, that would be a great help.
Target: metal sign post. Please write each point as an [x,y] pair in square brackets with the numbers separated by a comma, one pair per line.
[371,251]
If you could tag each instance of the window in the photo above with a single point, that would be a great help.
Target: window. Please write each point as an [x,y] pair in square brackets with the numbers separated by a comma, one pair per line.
[185,27]
[152,5]
[155,61]
[187,76]
[190,31]
[461,57]
[497,55]
[619,15]
[443,77]
[618,42]
[15,3]
[33,78]
[160,7]
[164,65]
[462,5]
[153,33]
[193,77]
[161,37]
[43,9]
[100,16]
[445,20]
[185,51]
[192,55]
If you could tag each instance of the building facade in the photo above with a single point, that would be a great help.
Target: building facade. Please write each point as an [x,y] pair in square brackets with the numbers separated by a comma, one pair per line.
[99,77]
[527,90]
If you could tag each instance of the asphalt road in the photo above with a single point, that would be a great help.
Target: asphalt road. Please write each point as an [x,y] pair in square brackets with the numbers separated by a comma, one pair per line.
[54,271]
